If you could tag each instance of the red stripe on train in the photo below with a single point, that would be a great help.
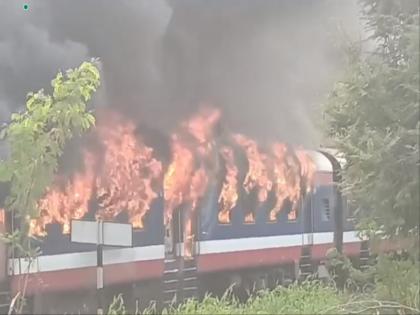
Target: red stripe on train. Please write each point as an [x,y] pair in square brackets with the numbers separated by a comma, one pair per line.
[85,278]
[247,259]
[266,257]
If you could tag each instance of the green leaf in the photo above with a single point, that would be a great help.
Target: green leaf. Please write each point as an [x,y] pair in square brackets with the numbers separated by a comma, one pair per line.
[37,138]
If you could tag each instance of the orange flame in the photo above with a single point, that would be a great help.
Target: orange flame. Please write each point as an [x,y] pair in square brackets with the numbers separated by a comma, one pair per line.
[182,182]
[287,174]
[257,175]
[307,168]
[177,178]
[229,193]
[201,127]
[2,216]
[128,172]
[62,205]
[279,172]
[126,175]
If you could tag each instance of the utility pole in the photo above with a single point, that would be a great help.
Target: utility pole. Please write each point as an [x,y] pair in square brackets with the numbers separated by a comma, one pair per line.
[102,234]
[100,269]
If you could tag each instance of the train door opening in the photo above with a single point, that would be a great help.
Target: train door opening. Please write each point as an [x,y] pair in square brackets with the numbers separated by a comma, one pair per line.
[174,235]
[179,279]
[308,221]
[305,263]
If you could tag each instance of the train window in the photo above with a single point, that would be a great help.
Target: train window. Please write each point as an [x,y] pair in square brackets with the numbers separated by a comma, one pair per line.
[292,216]
[249,218]
[224,218]
[326,211]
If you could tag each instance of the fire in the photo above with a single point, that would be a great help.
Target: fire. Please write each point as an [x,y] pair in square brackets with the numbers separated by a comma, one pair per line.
[186,179]
[2,216]
[301,175]
[126,176]
[177,178]
[257,175]
[121,181]
[280,184]
[229,193]
[307,168]
[201,127]
[128,173]
[183,181]
[61,205]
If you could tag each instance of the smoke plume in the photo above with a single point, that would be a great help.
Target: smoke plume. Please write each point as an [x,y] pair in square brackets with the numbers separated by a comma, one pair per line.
[267,64]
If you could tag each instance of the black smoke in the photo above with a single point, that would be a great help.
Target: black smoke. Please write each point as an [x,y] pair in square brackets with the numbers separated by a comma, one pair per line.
[266,63]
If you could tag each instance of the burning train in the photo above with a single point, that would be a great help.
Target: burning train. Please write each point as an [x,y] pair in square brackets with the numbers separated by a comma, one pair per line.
[219,209]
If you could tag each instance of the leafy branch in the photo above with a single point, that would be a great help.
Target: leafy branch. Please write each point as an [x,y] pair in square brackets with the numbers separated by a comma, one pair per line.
[36,138]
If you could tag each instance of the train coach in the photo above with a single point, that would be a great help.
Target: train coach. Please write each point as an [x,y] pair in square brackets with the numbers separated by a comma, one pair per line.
[257,254]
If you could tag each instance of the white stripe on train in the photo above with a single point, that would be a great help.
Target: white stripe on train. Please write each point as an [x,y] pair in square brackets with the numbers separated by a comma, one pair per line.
[46,263]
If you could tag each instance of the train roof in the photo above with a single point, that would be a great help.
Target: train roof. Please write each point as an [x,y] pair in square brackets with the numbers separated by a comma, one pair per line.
[321,161]
[336,154]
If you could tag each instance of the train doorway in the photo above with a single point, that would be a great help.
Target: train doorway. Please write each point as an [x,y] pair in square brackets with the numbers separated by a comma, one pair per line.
[179,281]
[180,234]
[174,235]
[308,221]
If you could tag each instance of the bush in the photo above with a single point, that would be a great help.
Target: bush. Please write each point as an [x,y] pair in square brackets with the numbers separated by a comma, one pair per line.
[398,280]
[395,291]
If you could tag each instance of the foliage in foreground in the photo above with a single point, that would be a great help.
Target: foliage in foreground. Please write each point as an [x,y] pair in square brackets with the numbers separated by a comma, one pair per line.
[398,280]
[36,138]
[395,290]
[307,298]
[372,115]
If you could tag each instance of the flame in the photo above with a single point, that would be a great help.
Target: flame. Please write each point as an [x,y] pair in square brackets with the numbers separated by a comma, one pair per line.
[125,181]
[279,172]
[62,205]
[287,174]
[229,193]
[177,178]
[198,188]
[125,176]
[2,216]
[128,172]
[184,182]
[257,175]
[307,168]
[201,127]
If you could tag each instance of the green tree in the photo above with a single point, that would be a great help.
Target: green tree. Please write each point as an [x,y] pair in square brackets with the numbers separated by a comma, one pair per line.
[373,117]
[36,138]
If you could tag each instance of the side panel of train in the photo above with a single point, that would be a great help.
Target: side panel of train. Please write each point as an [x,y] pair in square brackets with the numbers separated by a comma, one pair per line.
[221,248]
[69,266]
[241,251]
[263,243]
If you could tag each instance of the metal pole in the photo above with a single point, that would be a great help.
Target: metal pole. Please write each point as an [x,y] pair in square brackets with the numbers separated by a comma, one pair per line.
[100,270]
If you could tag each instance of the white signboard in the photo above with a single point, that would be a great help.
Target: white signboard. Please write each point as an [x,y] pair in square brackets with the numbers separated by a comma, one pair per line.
[99,232]
[118,234]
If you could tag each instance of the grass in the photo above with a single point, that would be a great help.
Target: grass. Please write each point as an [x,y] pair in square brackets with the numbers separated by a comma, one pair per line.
[307,298]
[395,291]
[311,297]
